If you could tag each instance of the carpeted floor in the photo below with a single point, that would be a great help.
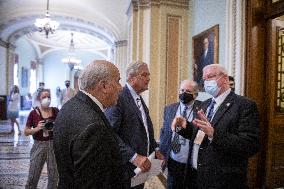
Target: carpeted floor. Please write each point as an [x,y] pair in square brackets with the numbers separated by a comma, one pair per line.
[14,159]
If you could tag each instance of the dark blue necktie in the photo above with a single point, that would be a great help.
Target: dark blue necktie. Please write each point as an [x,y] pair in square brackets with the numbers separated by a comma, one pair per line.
[176,145]
[211,110]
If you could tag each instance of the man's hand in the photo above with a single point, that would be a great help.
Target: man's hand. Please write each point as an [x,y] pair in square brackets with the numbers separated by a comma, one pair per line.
[142,162]
[178,122]
[203,124]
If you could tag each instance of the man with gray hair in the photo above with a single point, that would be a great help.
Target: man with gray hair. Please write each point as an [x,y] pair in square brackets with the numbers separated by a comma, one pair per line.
[225,135]
[174,147]
[131,121]
[86,147]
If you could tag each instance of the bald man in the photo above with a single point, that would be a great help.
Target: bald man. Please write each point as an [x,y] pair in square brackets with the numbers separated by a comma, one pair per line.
[174,147]
[86,147]
[225,135]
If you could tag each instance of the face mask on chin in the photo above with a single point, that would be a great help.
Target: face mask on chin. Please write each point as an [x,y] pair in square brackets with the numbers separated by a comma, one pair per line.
[185,97]
[211,87]
[45,102]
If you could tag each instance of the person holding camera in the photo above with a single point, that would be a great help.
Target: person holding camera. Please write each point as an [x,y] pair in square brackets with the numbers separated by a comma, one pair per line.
[40,126]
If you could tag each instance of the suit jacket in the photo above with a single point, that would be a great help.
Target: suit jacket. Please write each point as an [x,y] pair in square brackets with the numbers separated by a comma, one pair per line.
[126,120]
[222,163]
[85,146]
[166,131]
[202,62]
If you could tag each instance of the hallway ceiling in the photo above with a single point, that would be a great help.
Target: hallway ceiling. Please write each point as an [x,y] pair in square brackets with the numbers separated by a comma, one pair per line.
[96,24]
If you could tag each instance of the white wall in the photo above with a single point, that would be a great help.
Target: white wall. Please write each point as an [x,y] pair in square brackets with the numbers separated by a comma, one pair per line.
[55,71]
[203,15]
[27,53]
[3,71]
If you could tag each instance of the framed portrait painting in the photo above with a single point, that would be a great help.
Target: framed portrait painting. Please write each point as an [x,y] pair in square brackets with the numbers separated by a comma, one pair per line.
[205,47]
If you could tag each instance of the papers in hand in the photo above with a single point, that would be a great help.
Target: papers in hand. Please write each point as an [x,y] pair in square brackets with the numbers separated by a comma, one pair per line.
[141,177]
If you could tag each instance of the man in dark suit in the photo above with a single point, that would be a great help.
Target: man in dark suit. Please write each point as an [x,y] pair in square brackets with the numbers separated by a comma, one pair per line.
[86,147]
[206,58]
[174,147]
[224,137]
[131,121]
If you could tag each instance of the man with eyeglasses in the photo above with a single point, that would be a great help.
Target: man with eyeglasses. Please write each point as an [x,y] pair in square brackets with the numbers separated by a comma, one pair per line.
[131,120]
[225,135]
[174,147]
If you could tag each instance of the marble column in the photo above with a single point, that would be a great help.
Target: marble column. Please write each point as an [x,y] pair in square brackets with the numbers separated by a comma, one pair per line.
[4,67]
[120,59]
[159,30]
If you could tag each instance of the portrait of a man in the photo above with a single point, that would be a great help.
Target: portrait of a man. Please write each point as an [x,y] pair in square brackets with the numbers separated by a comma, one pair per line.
[205,51]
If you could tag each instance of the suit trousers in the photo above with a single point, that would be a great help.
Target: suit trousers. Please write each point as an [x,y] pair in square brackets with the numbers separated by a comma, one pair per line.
[176,174]
[191,180]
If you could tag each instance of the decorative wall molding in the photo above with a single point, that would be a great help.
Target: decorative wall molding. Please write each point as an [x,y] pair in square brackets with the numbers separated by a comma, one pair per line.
[120,43]
[7,45]
[235,37]
[148,3]
[4,43]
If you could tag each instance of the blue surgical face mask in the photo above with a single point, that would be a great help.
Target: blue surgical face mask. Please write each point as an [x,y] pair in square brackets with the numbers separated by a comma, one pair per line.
[211,87]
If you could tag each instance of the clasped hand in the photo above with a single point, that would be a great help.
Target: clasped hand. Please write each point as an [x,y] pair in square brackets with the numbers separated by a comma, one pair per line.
[202,123]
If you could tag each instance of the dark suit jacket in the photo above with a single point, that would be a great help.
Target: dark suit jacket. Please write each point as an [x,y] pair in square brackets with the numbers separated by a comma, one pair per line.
[126,120]
[166,131]
[85,146]
[201,63]
[223,162]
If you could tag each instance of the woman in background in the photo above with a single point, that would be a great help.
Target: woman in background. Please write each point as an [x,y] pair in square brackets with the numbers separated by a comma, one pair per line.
[40,126]
[13,107]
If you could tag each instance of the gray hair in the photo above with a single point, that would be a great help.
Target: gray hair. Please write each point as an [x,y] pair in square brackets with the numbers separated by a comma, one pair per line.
[133,68]
[218,67]
[95,72]
[193,84]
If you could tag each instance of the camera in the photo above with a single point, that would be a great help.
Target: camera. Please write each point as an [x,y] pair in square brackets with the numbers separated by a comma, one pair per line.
[48,125]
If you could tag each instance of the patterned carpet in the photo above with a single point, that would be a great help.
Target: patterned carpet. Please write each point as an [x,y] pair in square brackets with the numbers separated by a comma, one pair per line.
[15,155]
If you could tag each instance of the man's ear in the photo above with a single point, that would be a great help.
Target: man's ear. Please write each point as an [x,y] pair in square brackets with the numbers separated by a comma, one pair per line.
[103,86]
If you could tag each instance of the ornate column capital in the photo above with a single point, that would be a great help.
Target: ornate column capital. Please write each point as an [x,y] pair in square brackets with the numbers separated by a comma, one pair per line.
[120,43]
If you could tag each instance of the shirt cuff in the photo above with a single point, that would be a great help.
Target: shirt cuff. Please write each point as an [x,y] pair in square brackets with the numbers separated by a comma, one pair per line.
[133,158]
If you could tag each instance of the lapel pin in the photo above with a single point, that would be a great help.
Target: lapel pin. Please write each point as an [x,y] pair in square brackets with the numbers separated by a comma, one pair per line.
[228,104]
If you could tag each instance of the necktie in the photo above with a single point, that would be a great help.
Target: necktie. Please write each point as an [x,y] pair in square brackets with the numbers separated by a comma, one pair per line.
[138,101]
[176,145]
[144,118]
[211,110]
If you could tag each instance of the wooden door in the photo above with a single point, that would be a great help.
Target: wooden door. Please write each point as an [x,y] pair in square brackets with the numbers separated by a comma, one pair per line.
[274,165]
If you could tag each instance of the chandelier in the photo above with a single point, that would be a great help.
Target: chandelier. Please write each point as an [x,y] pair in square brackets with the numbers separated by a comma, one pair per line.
[71,60]
[46,24]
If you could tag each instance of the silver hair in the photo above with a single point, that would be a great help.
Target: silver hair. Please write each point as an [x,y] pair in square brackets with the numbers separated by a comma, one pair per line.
[133,68]
[218,67]
[92,74]
[193,83]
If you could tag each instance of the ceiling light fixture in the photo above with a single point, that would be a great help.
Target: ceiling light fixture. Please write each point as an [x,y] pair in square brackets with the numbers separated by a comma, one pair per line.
[46,24]
[71,60]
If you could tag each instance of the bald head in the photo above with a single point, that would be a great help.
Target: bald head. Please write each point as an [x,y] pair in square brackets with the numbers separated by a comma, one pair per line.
[96,71]
[189,84]
[188,91]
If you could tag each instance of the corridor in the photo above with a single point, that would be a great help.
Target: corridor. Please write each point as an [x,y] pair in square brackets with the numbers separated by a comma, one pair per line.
[15,156]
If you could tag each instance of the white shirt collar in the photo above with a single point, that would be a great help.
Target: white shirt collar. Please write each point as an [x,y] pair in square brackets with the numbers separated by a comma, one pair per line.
[220,99]
[132,91]
[94,99]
